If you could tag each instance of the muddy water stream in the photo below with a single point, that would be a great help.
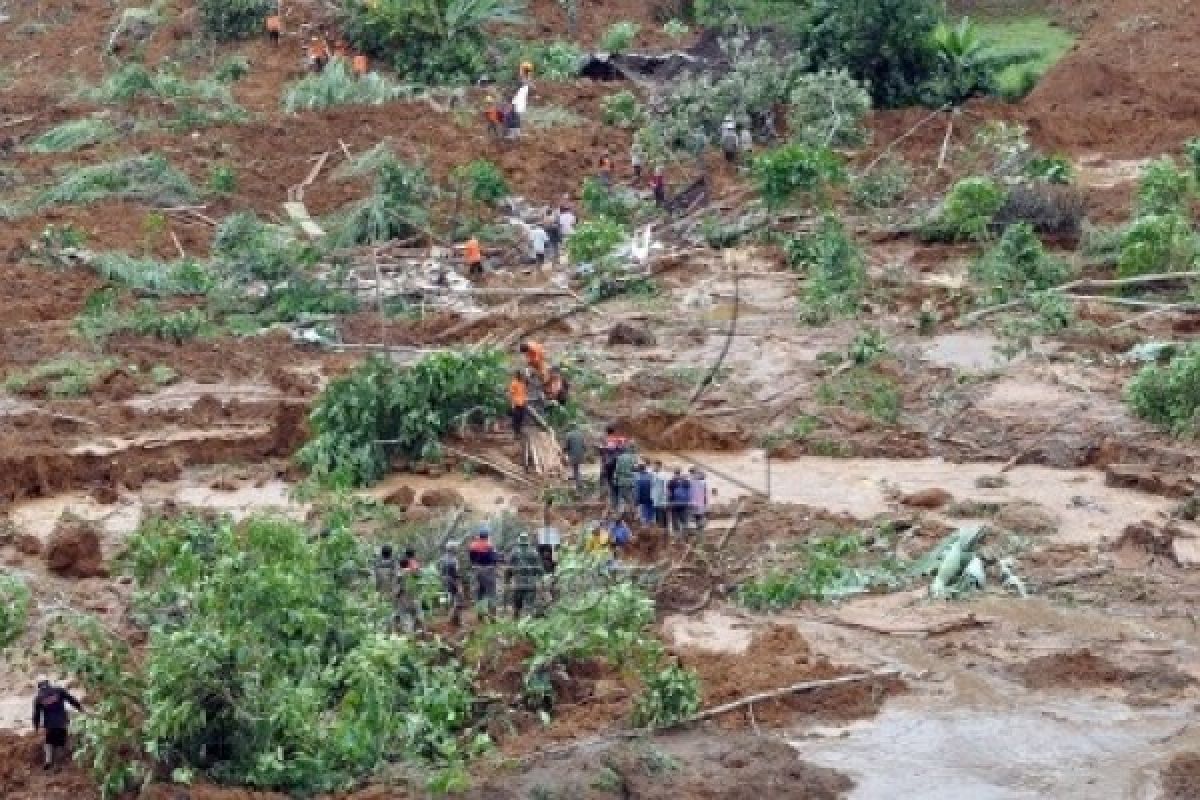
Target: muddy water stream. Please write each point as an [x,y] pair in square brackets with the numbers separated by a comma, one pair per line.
[1087,511]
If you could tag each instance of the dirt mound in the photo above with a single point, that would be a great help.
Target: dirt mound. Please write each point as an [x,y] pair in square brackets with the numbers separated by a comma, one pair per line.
[927,499]
[625,333]
[22,778]
[1181,778]
[73,550]
[678,432]
[1129,88]
[777,658]
[1080,669]
[442,498]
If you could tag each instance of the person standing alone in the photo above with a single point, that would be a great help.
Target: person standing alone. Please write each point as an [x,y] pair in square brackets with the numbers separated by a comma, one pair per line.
[50,712]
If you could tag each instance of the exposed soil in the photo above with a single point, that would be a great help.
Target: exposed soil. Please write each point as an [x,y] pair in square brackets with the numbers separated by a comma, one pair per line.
[1181,778]
[1076,670]
[73,550]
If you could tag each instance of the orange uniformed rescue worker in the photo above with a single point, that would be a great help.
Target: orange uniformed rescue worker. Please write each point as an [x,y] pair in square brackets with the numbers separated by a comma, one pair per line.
[274,28]
[473,256]
[526,71]
[518,399]
[535,357]
[318,54]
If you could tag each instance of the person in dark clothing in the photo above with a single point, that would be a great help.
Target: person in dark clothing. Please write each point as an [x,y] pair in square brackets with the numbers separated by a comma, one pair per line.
[679,501]
[50,712]
[554,239]
[643,490]
[576,449]
[484,559]
[659,184]
[452,581]
[614,446]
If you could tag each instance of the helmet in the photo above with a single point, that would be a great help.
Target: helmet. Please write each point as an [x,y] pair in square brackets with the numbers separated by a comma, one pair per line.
[451,546]
[522,538]
[484,532]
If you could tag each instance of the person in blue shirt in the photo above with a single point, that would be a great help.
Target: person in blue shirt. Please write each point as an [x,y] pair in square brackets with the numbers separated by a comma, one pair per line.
[619,533]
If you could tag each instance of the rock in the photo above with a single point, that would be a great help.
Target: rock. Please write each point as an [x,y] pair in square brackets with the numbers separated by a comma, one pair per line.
[28,544]
[1149,480]
[1026,518]
[1146,537]
[1185,544]
[997,481]
[625,333]
[852,421]
[401,497]
[105,495]
[442,498]
[73,550]
[927,499]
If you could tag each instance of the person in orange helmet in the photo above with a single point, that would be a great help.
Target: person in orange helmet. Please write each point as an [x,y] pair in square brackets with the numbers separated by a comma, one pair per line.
[535,357]
[318,54]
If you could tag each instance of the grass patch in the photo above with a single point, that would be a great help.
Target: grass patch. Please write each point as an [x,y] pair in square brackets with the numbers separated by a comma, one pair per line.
[62,377]
[74,135]
[336,85]
[1019,34]
[151,275]
[864,390]
[148,179]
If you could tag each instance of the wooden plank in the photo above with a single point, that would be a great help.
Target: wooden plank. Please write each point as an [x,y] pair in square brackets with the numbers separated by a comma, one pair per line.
[299,214]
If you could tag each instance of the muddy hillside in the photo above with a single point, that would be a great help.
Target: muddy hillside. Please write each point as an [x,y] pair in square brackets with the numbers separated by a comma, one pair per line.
[537,400]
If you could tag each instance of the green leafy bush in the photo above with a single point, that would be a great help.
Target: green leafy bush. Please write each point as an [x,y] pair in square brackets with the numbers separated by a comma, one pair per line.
[1192,150]
[1169,396]
[62,377]
[222,179]
[251,249]
[966,67]
[622,110]
[595,239]
[668,696]
[184,276]
[828,109]
[797,173]
[397,208]
[264,641]
[1051,169]
[885,44]
[232,69]
[619,36]
[337,85]
[74,135]
[146,179]
[1157,243]
[412,408]
[196,103]
[868,346]
[1015,266]
[437,42]
[553,61]
[676,29]
[883,187]
[612,202]
[863,389]
[103,319]
[235,19]
[1163,189]
[836,270]
[483,181]
[15,601]
[967,212]
[825,573]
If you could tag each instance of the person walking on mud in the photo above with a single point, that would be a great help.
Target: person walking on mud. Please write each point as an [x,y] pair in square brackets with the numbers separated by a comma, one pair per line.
[386,571]
[484,560]
[525,569]
[452,582]
[50,711]
[575,446]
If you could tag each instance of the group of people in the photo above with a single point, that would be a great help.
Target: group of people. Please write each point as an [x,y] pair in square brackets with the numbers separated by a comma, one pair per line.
[318,52]
[478,579]
[534,386]
[504,119]
[737,142]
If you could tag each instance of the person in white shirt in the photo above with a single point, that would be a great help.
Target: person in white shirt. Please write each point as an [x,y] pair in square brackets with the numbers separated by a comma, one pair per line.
[566,221]
[539,238]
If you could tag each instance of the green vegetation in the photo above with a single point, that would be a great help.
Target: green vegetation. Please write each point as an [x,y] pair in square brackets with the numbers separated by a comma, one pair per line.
[1169,396]
[1157,243]
[151,275]
[622,110]
[222,179]
[1015,266]
[264,640]
[232,69]
[337,85]
[102,317]
[883,187]
[483,182]
[615,203]
[619,37]
[863,389]
[235,19]
[884,44]
[1163,188]
[966,66]
[595,239]
[74,135]
[15,601]
[967,212]
[410,408]
[436,42]
[828,109]
[835,267]
[824,573]
[1020,35]
[868,346]
[62,377]
[669,695]
[676,29]
[553,61]
[797,173]
[147,179]
[196,103]
[1050,169]
[397,208]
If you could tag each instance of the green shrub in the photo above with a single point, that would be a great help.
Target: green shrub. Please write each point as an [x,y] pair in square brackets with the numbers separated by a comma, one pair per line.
[611,202]
[797,173]
[1192,150]
[184,276]
[483,181]
[866,390]
[15,601]
[62,377]
[676,29]
[101,318]
[1163,189]
[397,208]
[250,249]
[668,696]
[622,110]
[235,19]
[1100,244]
[868,346]
[619,36]
[337,85]
[74,135]
[836,270]
[1159,243]
[222,179]
[967,212]
[887,45]
[966,67]
[553,61]
[1051,169]
[146,179]
[232,69]
[825,573]
[828,109]
[412,408]
[1016,266]
[1169,396]
[437,42]
[196,103]
[883,187]
[594,239]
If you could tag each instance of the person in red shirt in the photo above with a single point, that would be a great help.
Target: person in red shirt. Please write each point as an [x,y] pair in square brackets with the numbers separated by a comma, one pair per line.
[473,256]
[518,399]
